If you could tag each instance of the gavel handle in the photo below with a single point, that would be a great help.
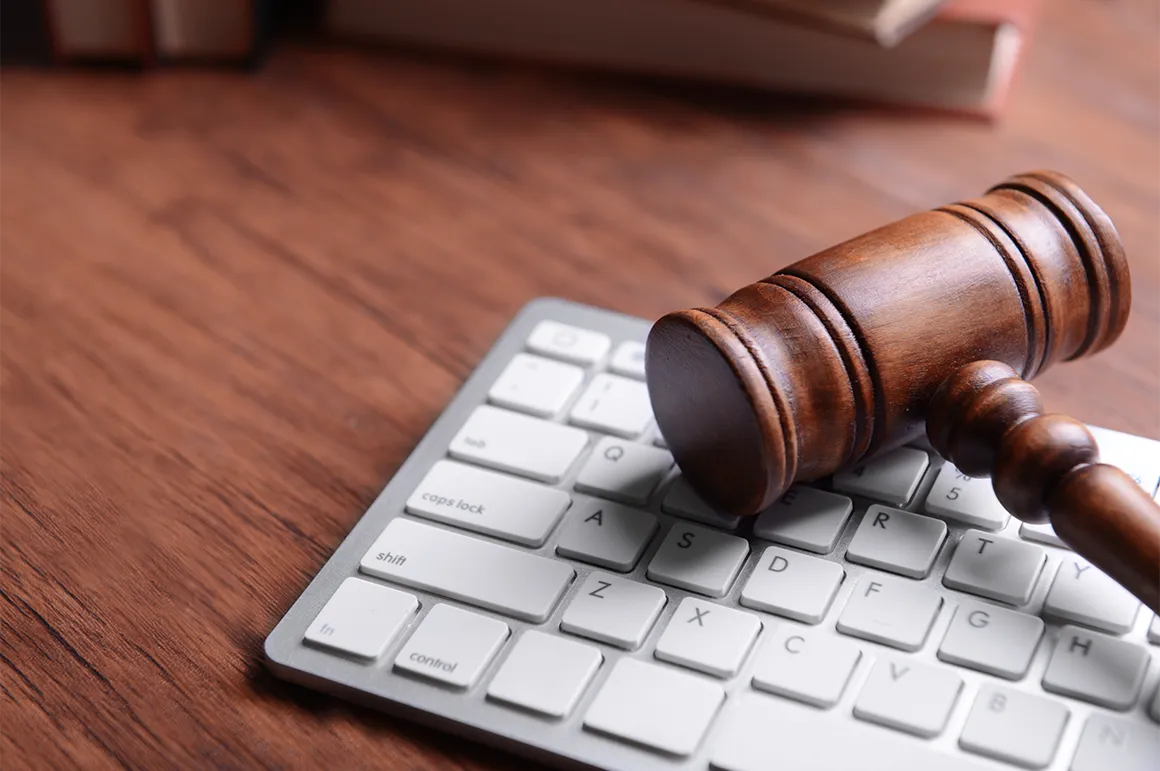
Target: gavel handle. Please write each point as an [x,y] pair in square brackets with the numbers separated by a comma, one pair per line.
[989,422]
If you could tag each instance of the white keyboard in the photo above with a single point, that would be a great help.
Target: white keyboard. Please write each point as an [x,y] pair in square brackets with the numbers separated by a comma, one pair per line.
[539,576]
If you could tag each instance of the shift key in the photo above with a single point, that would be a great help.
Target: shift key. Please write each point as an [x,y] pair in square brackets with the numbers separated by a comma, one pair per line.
[468,569]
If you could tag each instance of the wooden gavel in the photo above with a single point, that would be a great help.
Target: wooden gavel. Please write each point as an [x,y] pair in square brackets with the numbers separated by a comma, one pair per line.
[937,320]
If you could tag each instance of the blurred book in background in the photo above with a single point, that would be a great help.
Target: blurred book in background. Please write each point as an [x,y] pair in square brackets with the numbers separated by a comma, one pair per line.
[957,55]
[962,59]
[886,21]
[136,32]
[221,31]
[114,31]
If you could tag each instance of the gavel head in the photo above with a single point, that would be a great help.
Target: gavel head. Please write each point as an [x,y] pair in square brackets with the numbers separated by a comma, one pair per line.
[835,359]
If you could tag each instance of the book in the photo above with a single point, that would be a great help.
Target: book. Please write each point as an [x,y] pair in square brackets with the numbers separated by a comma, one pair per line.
[886,21]
[100,31]
[25,37]
[963,60]
[217,31]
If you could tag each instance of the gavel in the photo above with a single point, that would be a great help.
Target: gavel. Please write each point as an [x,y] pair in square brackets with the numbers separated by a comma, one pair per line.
[934,323]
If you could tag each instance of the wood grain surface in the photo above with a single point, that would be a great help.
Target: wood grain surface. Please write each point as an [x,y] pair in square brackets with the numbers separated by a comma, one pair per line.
[232,303]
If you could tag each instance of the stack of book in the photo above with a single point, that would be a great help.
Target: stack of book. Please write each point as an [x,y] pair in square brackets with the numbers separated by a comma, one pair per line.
[133,32]
[957,55]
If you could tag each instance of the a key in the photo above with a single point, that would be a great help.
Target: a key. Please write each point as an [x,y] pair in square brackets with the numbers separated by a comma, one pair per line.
[1154,631]
[508,441]
[613,610]
[468,569]
[892,478]
[1014,727]
[682,501]
[606,534]
[1096,668]
[761,733]
[1136,456]
[452,646]
[545,674]
[908,696]
[628,359]
[1083,594]
[1154,706]
[960,498]
[707,637]
[655,706]
[698,559]
[805,665]
[1110,743]
[991,639]
[615,405]
[997,568]
[890,612]
[623,471]
[805,518]
[488,502]
[793,585]
[362,618]
[897,541]
[1043,533]
[536,385]
[561,341]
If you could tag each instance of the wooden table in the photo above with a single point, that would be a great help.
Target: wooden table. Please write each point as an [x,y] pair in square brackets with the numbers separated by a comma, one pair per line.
[233,303]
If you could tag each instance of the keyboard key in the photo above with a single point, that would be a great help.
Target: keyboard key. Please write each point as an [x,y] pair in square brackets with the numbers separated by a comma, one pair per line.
[1083,594]
[624,471]
[991,639]
[793,585]
[891,478]
[698,559]
[1110,743]
[1014,727]
[561,341]
[1096,668]
[512,442]
[1154,706]
[606,534]
[487,502]
[655,706]
[997,568]
[806,518]
[452,646]
[1044,533]
[959,498]
[628,359]
[897,541]
[761,733]
[613,610]
[1136,456]
[545,674]
[890,612]
[615,405]
[908,696]
[682,501]
[468,569]
[1154,631]
[805,665]
[536,385]
[362,618]
[707,637]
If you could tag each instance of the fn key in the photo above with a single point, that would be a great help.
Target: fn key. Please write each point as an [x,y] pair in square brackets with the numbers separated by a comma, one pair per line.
[362,618]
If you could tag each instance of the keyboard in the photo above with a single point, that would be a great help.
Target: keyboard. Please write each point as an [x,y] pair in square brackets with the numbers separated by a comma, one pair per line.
[539,576]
